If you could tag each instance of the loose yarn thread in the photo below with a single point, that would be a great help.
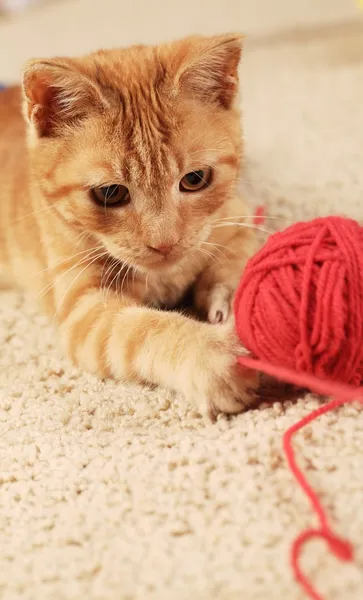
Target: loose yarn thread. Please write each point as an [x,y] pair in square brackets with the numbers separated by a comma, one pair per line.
[300,304]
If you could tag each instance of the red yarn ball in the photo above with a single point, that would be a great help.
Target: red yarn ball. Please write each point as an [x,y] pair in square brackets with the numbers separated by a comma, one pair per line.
[300,300]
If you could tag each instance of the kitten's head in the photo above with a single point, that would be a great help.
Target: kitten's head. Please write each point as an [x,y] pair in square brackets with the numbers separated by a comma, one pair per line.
[139,147]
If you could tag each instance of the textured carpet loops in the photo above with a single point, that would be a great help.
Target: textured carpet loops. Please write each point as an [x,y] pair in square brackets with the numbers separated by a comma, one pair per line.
[300,301]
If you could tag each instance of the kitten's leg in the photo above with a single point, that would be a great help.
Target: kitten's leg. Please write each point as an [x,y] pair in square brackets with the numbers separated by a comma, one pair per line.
[216,285]
[131,342]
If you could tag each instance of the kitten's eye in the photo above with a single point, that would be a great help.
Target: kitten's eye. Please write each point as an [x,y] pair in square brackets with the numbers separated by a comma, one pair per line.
[196,180]
[111,195]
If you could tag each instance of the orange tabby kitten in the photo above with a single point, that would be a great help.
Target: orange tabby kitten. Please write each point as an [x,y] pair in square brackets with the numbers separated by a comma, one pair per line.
[120,197]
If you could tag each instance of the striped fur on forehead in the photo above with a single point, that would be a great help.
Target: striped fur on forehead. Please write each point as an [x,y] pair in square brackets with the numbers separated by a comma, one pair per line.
[147,127]
[147,124]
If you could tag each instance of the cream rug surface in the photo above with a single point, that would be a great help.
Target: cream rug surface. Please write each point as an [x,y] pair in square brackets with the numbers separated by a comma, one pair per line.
[111,492]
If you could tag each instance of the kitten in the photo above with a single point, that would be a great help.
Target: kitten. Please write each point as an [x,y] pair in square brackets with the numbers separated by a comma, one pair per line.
[119,197]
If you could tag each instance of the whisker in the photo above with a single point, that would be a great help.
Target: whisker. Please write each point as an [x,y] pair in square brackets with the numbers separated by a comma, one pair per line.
[210,256]
[246,225]
[216,249]
[123,280]
[35,212]
[127,277]
[110,286]
[217,246]
[135,270]
[53,283]
[250,217]
[105,276]
[117,277]
[111,262]
[71,285]
[82,238]
[202,178]
[205,252]
[66,260]
[199,136]
[118,283]
[106,198]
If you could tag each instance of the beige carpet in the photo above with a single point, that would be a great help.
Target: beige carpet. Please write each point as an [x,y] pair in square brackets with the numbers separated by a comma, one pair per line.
[121,493]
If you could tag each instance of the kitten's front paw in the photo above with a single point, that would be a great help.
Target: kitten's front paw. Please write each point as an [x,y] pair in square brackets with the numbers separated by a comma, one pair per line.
[218,304]
[214,302]
[219,384]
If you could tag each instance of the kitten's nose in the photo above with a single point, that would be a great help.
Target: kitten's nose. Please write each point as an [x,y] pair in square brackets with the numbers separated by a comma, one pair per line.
[163,249]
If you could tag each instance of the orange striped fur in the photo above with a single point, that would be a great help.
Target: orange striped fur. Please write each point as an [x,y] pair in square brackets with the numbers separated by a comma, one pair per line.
[141,117]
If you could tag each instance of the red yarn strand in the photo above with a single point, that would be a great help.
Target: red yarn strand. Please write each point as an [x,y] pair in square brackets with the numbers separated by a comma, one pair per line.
[341,548]
[299,310]
[323,387]
[259,215]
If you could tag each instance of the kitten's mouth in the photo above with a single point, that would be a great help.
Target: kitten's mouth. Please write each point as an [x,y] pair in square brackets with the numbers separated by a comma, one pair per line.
[153,263]
[163,264]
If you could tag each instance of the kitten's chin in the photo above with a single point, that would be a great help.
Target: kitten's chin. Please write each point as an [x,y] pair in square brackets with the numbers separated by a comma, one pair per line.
[150,265]
[164,267]
[160,266]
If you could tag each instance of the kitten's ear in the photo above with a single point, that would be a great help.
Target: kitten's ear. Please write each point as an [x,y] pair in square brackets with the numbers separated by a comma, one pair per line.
[209,67]
[56,94]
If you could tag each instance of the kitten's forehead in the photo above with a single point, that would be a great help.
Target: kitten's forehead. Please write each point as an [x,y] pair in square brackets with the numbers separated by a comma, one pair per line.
[154,130]
[147,125]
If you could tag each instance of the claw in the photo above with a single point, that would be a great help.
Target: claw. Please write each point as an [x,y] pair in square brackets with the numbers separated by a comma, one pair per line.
[219,305]
[218,318]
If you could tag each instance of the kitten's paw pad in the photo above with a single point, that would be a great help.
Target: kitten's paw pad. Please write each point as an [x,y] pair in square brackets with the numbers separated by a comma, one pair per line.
[219,304]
